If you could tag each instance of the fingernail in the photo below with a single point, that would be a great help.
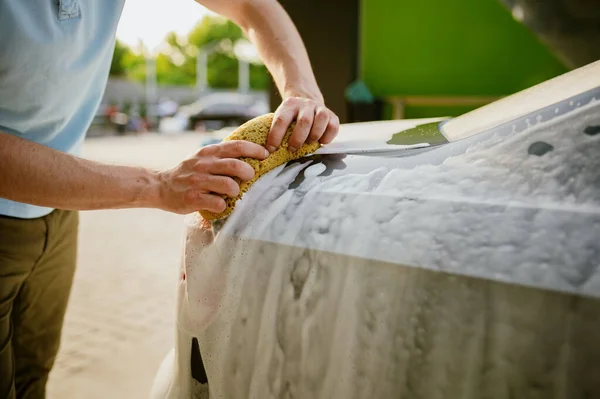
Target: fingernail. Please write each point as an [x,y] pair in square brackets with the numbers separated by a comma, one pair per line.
[267,153]
[292,149]
[271,148]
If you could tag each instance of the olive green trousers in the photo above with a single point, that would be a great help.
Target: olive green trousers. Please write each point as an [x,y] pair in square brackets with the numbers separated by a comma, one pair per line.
[37,263]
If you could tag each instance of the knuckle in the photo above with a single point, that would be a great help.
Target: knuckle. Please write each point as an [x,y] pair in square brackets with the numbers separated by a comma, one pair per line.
[189,163]
[190,197]
[314,135]
[238,168]
[322,112]
[237,147]
[220,150]
[323,119]
[206,150]
[279,121]
[197,165]
[303,121]
[195,180]
[233,149]
[240,144]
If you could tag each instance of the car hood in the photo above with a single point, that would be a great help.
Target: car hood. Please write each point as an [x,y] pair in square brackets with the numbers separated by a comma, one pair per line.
[514,205]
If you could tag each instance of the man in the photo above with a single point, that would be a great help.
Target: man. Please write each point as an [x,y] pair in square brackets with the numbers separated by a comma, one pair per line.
[54,62]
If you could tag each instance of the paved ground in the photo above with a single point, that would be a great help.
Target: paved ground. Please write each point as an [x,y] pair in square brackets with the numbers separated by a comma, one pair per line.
[120,322]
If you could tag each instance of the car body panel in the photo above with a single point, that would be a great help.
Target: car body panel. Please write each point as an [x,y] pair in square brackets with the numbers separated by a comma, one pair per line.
[465,269]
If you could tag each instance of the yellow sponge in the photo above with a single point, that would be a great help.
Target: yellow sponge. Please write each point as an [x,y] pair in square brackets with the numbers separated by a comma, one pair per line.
[256,131]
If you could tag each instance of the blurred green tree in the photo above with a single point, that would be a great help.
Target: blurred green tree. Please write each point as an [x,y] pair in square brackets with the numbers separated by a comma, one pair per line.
[117,66]
[176,62]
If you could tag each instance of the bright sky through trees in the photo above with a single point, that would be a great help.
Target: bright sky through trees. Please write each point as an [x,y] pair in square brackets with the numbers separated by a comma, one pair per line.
[150,20]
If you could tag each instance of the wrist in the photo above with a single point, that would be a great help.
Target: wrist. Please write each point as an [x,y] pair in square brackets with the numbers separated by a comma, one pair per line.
[302,92]
[149,193]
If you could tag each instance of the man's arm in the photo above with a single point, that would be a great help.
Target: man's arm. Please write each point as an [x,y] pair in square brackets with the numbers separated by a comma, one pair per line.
[273,33]
[39,175]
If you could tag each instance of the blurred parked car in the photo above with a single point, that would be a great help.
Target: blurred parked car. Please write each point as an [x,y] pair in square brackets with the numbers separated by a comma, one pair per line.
[214,111]
[466,269]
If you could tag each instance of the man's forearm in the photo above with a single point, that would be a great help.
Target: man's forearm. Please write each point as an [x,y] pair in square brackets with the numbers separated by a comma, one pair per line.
[38,175]
[278,42]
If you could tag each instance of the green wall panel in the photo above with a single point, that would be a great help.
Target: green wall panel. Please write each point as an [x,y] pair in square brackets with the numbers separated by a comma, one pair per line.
[449,47]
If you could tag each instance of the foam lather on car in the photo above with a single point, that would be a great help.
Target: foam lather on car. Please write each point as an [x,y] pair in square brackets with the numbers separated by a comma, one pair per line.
[256,131]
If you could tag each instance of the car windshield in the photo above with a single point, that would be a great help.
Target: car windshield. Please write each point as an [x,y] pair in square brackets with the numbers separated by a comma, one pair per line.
[523,103]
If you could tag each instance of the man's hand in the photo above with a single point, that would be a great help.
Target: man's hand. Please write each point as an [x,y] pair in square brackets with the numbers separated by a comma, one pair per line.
[195,183]
[279,45]
[314,122]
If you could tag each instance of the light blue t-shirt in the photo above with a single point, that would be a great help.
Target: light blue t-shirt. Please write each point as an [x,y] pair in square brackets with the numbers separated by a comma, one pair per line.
[55,57]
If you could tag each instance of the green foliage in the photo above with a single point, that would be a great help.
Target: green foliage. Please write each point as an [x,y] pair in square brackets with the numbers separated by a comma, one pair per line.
[117,66]
[222,71]
[176,64]
[143,109]
[213,30]
[259,77]
[168,73]
[126,109]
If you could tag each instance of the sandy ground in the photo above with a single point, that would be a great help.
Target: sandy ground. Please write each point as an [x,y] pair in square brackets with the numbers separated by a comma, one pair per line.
[120,321]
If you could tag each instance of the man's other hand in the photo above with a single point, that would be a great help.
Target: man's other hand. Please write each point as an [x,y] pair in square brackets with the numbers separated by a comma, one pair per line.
[195,184]
[314,122]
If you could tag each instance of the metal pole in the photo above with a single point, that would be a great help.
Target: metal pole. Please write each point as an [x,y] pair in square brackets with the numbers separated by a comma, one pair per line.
[151,85]
[243,76]
[201,71]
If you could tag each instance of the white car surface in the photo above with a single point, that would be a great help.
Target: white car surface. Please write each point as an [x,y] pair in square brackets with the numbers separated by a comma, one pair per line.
[466,269]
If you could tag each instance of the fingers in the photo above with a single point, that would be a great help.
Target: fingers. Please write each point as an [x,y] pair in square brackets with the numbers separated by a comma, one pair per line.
[314,122]
[234,149]
[304,123]
[199,200]
[199,181]
[284,116]
[208,183]
[331,131]
[233,168]
[212,169]
[203,192]
[322,117]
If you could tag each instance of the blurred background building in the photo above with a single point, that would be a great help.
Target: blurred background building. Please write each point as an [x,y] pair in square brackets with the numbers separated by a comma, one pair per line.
[375,59]
[435,57]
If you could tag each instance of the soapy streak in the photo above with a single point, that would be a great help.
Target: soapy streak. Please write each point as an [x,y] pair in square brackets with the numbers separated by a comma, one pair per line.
[579,208]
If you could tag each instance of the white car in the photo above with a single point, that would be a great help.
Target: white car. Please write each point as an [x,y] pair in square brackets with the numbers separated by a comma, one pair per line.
[468,268]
